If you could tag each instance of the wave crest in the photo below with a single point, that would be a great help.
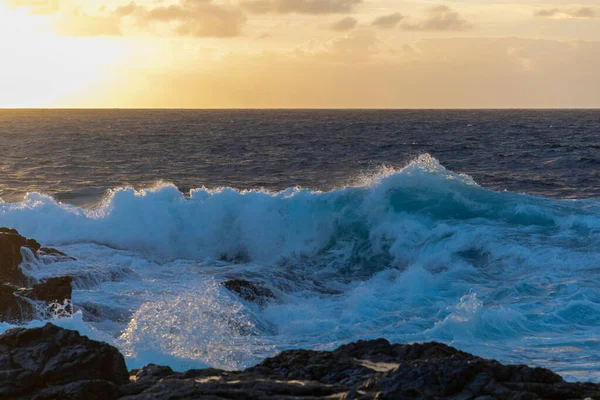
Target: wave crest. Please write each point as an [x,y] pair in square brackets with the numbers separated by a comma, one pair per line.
[394,218]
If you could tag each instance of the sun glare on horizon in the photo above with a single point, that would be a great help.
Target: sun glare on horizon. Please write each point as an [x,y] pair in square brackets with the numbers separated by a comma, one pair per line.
[299,54]
[42,69]
[299,198]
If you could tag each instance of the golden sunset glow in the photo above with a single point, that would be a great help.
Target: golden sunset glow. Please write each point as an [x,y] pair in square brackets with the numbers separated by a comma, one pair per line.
[299,53]
[42,69]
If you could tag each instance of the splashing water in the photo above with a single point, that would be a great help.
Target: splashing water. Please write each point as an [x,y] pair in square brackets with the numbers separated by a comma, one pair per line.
[412,254]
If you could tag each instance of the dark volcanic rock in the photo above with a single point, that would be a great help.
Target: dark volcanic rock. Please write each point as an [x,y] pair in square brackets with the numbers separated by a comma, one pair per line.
[11,243]
[49,251]
[239,257]
[51,362]
[14,306]
[363,370]
[84,390]
[56,293]
[49,298]
[10,257]
[250,291]
[94,312]
[53,290]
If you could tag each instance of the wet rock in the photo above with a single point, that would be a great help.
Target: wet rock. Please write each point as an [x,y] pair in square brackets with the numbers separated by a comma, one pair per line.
[49,361]
[49,298]
[16,291]
[238,257]
[14,308]
[56,293]
[50,255]
[94,312]
[81,390]
[32,244]
[364,370]
[250,291]
[10,257]
[53,290]
[49,251]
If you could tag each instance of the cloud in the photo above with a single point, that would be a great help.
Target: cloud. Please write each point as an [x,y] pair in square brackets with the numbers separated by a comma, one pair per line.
[344,24]
[35,7]
[124,11]
[357,47]
[78,23]
[574,12]
[197,18]
[69,19]
[388,21]
[457,72]
[439,18]
[301,6]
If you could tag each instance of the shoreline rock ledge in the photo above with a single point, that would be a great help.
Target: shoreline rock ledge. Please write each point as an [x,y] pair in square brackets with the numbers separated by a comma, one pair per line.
[23,298]
[55,363]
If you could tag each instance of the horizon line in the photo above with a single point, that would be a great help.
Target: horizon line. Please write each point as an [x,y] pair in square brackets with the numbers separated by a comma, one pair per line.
[296,108]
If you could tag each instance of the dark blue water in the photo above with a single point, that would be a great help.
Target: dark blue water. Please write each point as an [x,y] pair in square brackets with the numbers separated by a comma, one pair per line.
[77,155]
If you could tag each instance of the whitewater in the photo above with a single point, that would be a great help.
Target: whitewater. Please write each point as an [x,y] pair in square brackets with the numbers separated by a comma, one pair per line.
[410,254]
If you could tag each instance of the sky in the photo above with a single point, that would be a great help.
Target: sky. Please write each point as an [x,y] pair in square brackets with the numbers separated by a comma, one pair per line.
[300,54]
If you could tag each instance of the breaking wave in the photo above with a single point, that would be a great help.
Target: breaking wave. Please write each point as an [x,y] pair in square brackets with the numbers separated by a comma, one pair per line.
[411,254]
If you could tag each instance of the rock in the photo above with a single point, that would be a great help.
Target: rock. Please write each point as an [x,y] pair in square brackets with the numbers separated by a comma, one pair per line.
[49,255]
[51,362]
[10,257]
[14,309]
[56,292]
[250,291]
[15,285]
[32,244]
[364,370]
[17,305]
[48,361]
[153,372]
[11,243]
[240,256]
[53,290]
[94,312]
[49,251]
[84,390]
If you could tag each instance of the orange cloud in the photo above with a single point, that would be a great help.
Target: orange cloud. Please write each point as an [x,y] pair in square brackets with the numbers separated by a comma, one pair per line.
[344,24]
[574,12]
[388,21]
[189,17]
[35,7]
[439,18]
[301,6]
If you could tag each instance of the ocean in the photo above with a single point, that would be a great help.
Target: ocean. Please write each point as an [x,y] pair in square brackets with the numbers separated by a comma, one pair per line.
[479,229]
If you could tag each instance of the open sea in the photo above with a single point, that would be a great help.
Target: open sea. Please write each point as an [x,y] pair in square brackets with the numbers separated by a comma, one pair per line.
[480,229]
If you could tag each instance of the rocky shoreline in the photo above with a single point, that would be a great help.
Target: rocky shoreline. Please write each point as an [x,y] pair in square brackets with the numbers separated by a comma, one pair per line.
[23,298]
[55,363]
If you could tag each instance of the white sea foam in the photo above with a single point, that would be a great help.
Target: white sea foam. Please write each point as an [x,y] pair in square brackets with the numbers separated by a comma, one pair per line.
[415,254]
